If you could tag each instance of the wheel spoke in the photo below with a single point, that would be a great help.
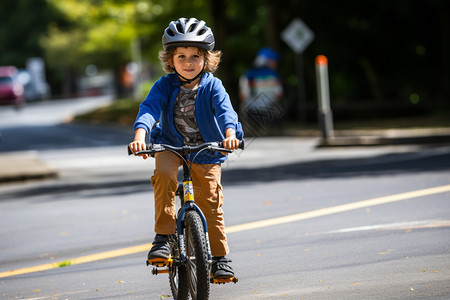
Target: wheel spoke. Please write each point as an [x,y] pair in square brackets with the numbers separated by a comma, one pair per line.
[192,267]
[178,277]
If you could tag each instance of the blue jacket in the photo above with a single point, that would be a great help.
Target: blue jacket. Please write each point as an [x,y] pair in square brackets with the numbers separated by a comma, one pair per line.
[214,114]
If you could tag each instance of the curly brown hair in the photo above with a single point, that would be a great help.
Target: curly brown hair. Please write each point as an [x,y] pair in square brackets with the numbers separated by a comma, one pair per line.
[212,59]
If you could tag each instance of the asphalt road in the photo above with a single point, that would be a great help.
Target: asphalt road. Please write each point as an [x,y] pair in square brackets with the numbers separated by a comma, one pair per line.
[300,225]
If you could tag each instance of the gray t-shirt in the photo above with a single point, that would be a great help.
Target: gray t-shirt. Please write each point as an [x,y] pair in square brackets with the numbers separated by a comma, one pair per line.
[185,118]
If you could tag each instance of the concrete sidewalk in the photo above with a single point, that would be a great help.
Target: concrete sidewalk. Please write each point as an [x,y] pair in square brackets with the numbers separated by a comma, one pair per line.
[26,165]
[23,166]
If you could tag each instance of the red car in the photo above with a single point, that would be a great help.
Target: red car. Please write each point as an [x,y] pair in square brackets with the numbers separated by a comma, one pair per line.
[11,90]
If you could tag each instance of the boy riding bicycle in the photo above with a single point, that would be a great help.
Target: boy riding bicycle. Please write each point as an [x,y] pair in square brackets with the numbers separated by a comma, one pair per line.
[192,107]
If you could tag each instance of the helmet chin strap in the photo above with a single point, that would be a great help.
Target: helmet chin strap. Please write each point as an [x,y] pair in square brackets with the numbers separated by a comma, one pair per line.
[188,81]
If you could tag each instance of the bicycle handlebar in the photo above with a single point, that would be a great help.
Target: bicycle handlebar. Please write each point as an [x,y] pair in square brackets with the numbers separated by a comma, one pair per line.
[214,146]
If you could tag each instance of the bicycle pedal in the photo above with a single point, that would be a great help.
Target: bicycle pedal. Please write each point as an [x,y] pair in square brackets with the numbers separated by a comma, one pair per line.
[156,271]
[223,280]
[160,262]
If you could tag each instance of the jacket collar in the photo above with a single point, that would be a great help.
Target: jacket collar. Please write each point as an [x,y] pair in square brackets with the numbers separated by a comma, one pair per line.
[177,82]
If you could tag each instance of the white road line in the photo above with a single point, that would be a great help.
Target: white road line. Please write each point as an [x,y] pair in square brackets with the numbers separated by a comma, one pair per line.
[392,226]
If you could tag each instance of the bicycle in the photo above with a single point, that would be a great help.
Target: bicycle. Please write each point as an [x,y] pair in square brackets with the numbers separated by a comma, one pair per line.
[189,264]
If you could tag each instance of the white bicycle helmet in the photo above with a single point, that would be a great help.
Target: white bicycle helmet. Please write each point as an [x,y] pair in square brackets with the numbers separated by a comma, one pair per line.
[188,33]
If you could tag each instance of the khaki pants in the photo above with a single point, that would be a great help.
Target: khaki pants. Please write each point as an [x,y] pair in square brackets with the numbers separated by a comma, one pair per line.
[207,192]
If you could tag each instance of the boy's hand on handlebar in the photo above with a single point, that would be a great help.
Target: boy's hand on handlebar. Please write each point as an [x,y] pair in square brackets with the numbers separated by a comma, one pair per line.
[139,142]
[137,146]
[230,142]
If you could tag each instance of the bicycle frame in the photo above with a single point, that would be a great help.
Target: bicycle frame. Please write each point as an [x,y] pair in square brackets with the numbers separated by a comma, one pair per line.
[188,203]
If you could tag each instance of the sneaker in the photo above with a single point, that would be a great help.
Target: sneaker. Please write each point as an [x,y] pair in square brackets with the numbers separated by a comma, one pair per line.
[160,248]
[221,269]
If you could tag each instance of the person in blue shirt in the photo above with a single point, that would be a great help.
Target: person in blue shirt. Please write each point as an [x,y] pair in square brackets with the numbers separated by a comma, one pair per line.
[189,106]
[261,90]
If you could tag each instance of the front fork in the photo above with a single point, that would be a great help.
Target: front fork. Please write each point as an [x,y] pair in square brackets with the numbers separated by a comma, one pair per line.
[185,192]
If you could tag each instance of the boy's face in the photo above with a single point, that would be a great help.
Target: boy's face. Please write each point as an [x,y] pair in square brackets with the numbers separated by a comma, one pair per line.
[188,61]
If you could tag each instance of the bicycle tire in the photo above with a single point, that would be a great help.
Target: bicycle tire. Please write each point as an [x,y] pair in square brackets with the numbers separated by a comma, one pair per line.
[178,274]
[198,269]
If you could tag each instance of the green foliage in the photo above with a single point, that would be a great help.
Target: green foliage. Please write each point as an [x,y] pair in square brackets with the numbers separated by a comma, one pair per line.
[145,87]
[122,112]
[61,51]
[23,22]
[100,32]
[377,50]
[103,31]
[63,264]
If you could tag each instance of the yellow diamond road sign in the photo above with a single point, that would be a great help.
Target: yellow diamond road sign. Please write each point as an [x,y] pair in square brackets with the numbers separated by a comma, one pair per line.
[297,35]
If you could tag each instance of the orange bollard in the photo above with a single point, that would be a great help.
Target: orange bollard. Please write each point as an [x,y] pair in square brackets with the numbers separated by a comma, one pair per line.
[323,94]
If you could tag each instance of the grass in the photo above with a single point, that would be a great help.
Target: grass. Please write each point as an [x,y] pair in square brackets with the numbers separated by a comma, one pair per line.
[121,111]
[63,264]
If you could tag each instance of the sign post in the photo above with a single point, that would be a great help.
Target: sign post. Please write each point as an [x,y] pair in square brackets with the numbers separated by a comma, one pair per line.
[298,36]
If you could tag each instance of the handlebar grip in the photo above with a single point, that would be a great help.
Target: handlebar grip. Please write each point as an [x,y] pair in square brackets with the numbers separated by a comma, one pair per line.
[148,147]
[241,144]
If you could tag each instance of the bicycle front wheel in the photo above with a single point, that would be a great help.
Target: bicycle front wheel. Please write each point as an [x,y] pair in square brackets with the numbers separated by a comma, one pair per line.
[197,254]
[178,273]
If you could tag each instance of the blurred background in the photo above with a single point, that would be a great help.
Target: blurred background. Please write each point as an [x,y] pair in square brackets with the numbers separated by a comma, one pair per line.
[387,59]
[71,71]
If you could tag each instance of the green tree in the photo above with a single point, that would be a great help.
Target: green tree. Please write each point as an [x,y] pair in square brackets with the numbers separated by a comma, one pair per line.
[23,22]
[102,32]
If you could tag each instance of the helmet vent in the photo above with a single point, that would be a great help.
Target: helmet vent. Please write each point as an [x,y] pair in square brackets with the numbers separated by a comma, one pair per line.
[180,28]
[192,28]
[170,32]
[201,31]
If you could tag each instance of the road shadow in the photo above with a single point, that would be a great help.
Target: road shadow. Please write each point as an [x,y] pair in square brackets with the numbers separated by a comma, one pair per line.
[63,136]
[389,164]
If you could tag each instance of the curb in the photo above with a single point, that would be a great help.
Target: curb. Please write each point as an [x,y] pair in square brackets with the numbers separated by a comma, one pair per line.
[23,166]
[382,141]
[358,138]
